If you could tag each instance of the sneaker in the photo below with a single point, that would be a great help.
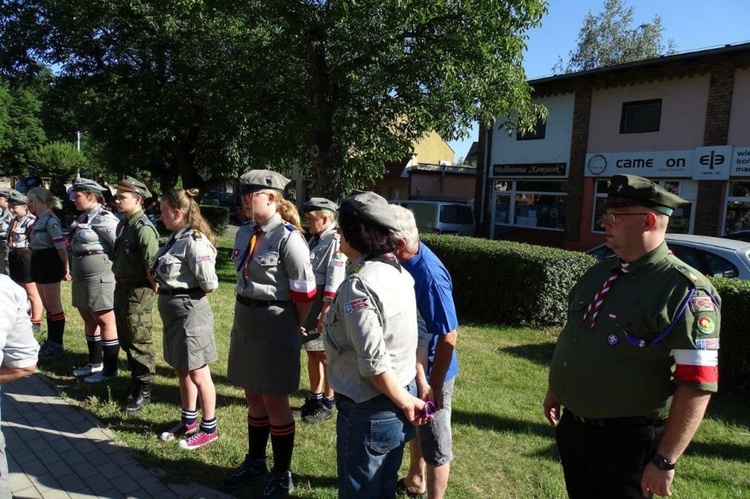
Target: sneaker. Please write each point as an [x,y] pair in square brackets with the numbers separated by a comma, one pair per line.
[319,414]
[306,408]
[88,370]
[198,440]
[248,471]
[50,349]
[181,429]
[278,484]
[98,377]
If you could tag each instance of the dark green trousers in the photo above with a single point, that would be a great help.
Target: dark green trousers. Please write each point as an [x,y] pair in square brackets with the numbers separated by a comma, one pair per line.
[133,306]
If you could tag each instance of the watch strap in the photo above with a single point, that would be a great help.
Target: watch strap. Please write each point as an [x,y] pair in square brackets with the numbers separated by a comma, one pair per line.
[662,463]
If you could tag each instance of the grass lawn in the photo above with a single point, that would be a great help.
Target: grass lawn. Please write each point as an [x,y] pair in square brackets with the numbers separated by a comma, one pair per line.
[502,444]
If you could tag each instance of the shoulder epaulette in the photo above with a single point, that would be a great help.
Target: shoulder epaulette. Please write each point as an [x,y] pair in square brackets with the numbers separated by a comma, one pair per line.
[289,227]
[197,235]
[692,275]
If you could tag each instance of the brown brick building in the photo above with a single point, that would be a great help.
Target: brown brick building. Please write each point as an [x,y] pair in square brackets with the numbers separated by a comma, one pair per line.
[681,120]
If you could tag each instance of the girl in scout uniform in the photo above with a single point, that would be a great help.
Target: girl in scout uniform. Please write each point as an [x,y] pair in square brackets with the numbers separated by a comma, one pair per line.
[328,265]
[275,288]
[5,218]
[92,239]
[371,344]
[19,255]
[184,270]
[49,265]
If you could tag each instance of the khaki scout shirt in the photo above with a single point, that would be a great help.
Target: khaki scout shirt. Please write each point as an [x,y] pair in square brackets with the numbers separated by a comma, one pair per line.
[94,230]
[136,245]
[371,328]
[46,232]
[188,260]
[658,325]
[280,268]
[18,233]
[328,262]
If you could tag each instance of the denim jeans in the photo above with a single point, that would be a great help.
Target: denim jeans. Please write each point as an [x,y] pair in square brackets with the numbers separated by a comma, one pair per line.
[370,438]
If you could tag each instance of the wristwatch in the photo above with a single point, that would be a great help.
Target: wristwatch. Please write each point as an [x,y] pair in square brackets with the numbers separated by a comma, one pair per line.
[662,463]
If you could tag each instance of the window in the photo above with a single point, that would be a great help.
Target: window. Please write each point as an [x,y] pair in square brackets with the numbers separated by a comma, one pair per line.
[640,116]
[531,203]
[455,214]
[681,220]
[737,213]
[540,129]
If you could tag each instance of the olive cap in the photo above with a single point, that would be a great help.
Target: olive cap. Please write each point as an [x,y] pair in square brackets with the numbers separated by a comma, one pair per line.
[85,184]
[130,184]
[369,208]
[257,180]
[631,190]
[315,204]
[15,197]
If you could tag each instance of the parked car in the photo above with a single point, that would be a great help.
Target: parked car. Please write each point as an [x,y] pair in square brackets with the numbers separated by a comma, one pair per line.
[740,235]
[441,217]
[713,256]
[220,198]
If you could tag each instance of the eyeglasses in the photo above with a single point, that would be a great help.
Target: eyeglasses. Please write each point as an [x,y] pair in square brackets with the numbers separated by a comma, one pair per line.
[612,218]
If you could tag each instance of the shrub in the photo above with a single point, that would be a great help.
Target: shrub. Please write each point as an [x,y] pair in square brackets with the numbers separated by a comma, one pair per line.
[734,354]
[507,282]
[217,217]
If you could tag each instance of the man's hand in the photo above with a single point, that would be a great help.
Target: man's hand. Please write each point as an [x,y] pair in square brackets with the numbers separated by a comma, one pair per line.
[551,409]
[656,481]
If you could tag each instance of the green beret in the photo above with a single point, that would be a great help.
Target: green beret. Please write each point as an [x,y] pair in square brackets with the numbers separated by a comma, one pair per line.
[256,180]
[85,184]
[631,190]
[315,204]
[130,184]
[15,197]
[369,208]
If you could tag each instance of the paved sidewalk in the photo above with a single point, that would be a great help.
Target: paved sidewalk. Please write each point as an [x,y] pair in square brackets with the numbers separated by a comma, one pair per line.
[57,450]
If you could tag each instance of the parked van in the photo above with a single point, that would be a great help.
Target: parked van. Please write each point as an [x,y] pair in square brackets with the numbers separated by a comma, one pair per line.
[441,217]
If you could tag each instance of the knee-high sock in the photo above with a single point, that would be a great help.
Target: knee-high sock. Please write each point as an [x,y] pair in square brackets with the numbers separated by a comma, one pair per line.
[258,430]
[56,327]
[111,349]
[94,344]
[282,442]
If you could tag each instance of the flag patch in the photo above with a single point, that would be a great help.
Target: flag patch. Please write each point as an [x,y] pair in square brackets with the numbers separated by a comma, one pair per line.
[701,304]
[354,305]
[707,344]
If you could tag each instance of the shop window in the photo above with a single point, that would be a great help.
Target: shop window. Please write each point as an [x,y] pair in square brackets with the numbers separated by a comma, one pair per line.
[737,213]
[640,116]
[537,204]
[539,131]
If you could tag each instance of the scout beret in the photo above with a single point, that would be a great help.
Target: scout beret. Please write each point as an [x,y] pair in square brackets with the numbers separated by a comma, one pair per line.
[370,208]
[256,180]
[130,184]
[631,190]
[15,197]
[315,204]
[4,191]
[85,184]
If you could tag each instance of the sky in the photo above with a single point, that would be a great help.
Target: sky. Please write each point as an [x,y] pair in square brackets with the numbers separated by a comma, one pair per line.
[692,24]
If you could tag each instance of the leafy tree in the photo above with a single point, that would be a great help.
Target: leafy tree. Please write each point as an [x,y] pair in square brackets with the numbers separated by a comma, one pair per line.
[205,90]
[59,159]
[21,130]
[610,38]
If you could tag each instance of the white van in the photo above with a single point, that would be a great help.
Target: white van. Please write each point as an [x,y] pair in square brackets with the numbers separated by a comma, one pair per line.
[441,217]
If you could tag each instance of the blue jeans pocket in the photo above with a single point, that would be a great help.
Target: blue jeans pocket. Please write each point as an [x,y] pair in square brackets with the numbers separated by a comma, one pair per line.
[385,435]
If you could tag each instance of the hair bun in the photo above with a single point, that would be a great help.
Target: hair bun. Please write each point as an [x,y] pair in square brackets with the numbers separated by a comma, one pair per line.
[192,193]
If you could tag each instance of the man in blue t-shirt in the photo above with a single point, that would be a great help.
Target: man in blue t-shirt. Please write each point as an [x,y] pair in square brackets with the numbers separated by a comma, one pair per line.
[437,364]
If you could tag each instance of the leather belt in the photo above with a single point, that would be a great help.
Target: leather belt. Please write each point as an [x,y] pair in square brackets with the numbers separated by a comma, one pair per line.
[252,302]
[89,253]
[179,291]
[20,250]
[616,422]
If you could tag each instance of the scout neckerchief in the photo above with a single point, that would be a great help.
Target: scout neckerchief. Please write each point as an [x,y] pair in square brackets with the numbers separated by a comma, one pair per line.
[314,241]
[13,226]
[596,303]
[250,250]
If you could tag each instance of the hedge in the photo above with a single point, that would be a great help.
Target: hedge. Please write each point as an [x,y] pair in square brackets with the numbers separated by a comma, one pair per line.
[525,285]
[217,217]
[507,282]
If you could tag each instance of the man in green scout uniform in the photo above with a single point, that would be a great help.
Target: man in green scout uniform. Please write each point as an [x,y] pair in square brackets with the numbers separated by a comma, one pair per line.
[637,361]
[136,246]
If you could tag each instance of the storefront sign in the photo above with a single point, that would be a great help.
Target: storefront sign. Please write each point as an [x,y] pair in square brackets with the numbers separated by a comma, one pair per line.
[645,164]
[741,162]
[521,170]
[712,163]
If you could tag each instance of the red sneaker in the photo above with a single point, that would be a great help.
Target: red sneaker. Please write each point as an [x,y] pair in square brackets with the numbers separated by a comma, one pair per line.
[179,430]
[199,440]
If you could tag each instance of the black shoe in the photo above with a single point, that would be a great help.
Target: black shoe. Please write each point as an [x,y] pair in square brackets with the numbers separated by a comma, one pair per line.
[306,408]
[141,397]
[319,414]
[248,471]
[278,484]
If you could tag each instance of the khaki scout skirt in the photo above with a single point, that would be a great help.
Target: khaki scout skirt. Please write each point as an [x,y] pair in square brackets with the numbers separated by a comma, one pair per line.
[264,351]
[93,282]
[188,330]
